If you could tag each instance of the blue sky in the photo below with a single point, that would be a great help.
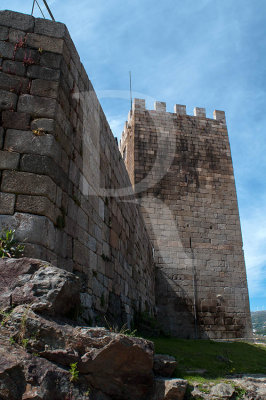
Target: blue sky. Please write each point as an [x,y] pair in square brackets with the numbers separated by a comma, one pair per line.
[201,53]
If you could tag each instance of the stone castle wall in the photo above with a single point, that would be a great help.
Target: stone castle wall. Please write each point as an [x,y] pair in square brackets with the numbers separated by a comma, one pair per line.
[181,170]
[57,154]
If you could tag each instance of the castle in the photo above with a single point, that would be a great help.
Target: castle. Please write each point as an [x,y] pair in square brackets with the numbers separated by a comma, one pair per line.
[154,229]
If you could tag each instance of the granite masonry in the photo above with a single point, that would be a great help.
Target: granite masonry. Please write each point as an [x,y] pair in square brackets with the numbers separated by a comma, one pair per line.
[74,202]
[181,169]
[56,153]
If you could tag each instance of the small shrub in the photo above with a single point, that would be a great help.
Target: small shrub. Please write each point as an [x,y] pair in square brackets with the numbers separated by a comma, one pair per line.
[9,246]
[74,372]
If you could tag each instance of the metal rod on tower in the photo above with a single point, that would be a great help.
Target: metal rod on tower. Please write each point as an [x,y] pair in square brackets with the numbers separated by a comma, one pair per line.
[49,11]
[130,84]
[33,7]
[40,8]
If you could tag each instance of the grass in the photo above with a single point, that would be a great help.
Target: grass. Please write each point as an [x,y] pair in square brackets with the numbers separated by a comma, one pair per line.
[218,359]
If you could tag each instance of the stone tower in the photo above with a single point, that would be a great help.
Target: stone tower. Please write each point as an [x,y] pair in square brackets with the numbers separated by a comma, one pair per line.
[181,169]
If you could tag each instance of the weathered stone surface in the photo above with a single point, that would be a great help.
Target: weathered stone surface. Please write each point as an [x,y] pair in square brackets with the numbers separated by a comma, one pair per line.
[222,390]
[6,50]
[84,233]
[15,83]
[51,60]
[17,20]
[8,100]
[47,88]
[28,142]
[37,72]
[37,106]
[48,289]
[14,67]
[3,33]
[7,203]
[187,195]
[8,160]
[16,35]
[43,124]
[15,120]
[46,43]
[1,137]
[33,229]
[164,365]
[49,28]
[45,166]
[27,183]
[169,389]
[36,205]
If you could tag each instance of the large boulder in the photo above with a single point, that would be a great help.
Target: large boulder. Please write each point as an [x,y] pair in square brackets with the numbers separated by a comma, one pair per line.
[48,289]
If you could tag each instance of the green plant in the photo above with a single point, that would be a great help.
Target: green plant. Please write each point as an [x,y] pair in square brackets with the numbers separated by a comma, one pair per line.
[9,246]
[239,392]
[12,340]
[24,343]
[74,372]
[5,316]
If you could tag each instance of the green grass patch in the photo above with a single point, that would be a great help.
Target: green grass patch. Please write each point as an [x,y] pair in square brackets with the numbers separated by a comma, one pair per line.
[219,359]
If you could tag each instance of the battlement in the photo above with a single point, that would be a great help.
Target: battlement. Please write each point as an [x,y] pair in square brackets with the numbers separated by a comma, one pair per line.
[179,109]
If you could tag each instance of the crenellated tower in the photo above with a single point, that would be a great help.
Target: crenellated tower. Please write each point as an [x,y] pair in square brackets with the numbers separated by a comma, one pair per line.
[181,169]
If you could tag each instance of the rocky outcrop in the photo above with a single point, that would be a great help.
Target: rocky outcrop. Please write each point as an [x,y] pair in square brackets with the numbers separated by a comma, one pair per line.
[46,355]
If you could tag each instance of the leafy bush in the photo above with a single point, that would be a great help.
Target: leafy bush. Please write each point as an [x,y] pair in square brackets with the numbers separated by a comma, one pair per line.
[9,246]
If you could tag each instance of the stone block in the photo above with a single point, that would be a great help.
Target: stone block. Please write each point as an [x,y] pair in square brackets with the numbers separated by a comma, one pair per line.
[14,67]
[44,124]
[7,203]
[160,106]
[80,253]
[28,56]
[49,28]
[6,50]
[1,137]
[14,83]
[30,228]
[28,183]
[180,109]
[37,72]
[15,120]
[36,205]
[17,20]
[37,106]
[51,60]
[16,35]
[44,165]
[219,115]
[8,100]
[45,43]
[3,33]
[27,142]
[139,104]
[8,160]
[199,112]
[45,88]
